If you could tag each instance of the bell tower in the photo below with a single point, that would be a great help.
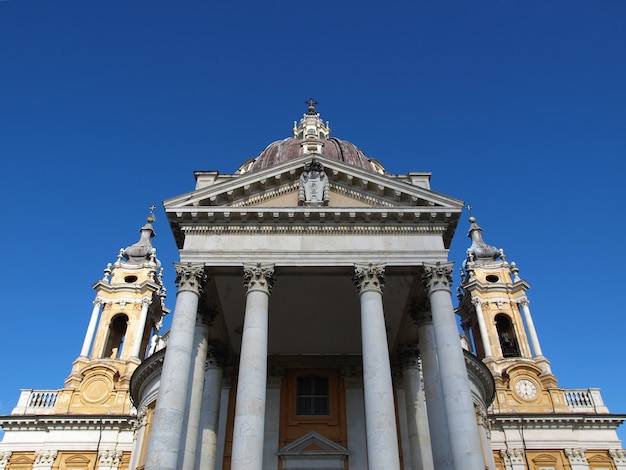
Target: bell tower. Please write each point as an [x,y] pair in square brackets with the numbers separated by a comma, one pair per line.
[126,317]
[494,309]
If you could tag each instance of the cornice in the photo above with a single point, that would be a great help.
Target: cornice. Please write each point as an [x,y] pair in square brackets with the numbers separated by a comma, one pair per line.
[316,229]
[558,420]
[67,422]
[149,369]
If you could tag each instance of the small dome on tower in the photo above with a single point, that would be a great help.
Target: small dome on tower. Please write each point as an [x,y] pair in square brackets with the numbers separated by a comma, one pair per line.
[311,136]
[142,251]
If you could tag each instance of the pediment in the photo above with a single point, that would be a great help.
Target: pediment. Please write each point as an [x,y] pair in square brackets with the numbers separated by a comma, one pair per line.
[312,443]
[281,194]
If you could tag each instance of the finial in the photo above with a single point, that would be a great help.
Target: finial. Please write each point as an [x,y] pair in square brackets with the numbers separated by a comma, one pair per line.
[311,102]
[151,218]
[472,219]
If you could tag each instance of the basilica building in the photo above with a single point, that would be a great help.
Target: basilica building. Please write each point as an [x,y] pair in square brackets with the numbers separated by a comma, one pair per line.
[315,326]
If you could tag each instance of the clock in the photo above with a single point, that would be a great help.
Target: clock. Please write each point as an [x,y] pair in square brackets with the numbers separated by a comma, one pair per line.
[526,389]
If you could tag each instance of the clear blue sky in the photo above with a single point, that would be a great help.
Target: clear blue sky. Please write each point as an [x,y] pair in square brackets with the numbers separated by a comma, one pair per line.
[516,107]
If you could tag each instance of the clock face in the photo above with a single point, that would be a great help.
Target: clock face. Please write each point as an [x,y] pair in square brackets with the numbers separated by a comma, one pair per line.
[526,389]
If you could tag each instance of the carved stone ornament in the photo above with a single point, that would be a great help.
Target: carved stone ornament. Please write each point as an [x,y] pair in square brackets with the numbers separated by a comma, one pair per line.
[190,277]
[410,357]
[576,455]
[314,186]
[5,456]
[369,277]
[109,457]
[45,457]
[512,456]
[437,276]
[420,312]
[618,455]
[257,277]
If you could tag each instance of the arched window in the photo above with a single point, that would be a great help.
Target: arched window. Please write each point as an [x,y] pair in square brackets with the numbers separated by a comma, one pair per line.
[506,335]
[115,341]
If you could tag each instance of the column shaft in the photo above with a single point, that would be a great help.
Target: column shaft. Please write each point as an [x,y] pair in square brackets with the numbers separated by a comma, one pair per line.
[195,399]
[249,427]
[484,335]
[164,448]
[141,324]
[534,339]
[417,422]
[91,328]
[457,395]
[209,421]
[437,419]
[380,416]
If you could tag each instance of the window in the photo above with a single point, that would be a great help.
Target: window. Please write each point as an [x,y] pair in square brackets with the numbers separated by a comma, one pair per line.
[312,396]
[507,337]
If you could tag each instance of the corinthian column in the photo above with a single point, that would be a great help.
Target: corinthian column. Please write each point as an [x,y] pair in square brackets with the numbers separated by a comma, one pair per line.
[380,416]
[211,399]
[437,420]
[419,437]
[248,430]
[457,395]
[203,322]
[164,448]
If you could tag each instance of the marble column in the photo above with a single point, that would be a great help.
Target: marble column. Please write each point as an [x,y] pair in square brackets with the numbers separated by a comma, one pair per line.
[457,395]
[141,325]
[534,339]
[482,327]
[380,415]
[164,447]
[417,420]
[436,410]
[201,337]
[211,400]
[249,427]
[91,328]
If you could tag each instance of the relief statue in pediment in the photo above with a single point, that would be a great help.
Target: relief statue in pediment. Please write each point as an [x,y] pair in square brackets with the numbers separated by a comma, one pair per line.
[314,186]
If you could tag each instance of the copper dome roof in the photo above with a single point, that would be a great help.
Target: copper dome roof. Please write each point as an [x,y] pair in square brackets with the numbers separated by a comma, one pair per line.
[311,136]
[291,148]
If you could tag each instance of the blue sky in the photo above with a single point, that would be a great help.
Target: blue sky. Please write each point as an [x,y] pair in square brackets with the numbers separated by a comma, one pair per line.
[516,107]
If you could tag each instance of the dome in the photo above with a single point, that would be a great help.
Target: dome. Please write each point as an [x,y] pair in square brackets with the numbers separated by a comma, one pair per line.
[311,137]
[333,148]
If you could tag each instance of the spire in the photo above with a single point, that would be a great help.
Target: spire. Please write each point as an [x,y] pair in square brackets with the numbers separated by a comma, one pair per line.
[479,251]
[142,251]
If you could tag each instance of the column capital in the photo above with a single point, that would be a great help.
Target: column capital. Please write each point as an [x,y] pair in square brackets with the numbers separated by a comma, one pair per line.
[420,312]
[45,457]
[216,356]
[437,276]
[206,314]
[369,277]
[524,302]
[410,357]
[618,455]
[512,456]
[258,277]
[576,455]
[476,302]
[109,457]
[190,277]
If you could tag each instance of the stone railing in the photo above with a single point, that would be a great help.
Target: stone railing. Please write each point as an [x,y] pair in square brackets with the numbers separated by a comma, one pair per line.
[36,402]
[585,400]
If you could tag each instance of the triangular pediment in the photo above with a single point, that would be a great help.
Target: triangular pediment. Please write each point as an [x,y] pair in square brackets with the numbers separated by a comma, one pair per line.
[312,443]
[274,186]
[282,194]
